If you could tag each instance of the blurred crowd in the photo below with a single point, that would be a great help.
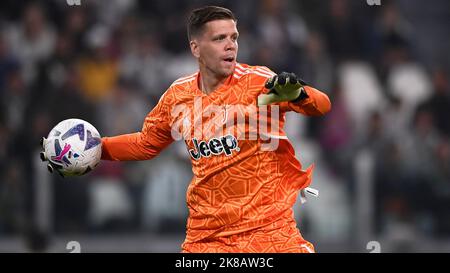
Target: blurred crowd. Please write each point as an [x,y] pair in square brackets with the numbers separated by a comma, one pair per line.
[385,68]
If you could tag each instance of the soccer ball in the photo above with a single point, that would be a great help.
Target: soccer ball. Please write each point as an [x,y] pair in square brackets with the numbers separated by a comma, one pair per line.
[73,147]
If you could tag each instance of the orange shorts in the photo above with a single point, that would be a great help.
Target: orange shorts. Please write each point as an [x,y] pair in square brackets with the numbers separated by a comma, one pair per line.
[269,239]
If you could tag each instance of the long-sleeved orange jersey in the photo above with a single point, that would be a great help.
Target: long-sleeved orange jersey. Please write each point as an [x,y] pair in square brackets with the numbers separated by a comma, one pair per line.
[239,187]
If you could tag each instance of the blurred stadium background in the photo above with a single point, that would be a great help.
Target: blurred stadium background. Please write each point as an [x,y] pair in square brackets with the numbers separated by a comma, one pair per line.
[382,154]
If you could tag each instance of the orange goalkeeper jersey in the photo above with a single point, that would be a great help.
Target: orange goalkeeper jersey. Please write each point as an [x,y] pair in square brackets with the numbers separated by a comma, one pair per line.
[241,182]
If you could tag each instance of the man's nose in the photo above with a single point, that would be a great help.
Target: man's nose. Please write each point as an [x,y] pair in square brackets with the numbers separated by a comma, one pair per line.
[231,45]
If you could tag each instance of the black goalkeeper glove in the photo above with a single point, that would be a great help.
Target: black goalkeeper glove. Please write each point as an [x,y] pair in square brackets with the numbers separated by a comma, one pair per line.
[283,87]
[51,167]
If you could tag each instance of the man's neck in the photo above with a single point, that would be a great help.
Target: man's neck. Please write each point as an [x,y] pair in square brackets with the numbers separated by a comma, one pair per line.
[209,82]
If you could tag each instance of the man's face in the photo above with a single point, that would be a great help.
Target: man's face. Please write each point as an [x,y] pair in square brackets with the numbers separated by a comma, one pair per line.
[216,47]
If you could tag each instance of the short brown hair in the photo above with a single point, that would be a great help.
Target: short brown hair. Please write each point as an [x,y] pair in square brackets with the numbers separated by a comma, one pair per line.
[199,17]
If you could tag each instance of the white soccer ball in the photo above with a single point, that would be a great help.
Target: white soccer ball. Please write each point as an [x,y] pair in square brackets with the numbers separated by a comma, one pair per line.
[73,147]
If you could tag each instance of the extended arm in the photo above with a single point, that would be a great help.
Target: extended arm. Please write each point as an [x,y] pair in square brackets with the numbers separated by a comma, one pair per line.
[148,143]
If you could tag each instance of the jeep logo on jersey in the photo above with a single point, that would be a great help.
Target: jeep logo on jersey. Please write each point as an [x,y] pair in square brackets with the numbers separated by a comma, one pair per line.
[215,146]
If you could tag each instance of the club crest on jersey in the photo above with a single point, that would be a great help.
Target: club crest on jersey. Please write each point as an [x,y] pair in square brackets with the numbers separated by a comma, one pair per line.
[215,146]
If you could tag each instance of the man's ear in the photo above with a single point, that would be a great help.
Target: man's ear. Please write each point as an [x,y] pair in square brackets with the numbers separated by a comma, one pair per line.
[195,49]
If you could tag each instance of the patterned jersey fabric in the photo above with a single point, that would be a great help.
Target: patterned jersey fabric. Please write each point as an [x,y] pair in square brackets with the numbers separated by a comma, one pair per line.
[246,177]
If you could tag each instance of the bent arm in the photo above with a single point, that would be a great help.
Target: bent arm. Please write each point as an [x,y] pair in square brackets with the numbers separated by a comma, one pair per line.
[316,104]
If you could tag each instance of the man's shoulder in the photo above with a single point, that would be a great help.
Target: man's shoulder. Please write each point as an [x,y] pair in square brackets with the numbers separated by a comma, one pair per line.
[254,71]
[184,81]
[253,75]
[177,88]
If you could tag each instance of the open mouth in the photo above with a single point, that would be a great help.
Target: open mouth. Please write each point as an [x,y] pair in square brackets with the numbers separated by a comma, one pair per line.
[229,59]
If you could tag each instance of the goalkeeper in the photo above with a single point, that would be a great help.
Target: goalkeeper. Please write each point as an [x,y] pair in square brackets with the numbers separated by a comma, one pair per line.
[241,196]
